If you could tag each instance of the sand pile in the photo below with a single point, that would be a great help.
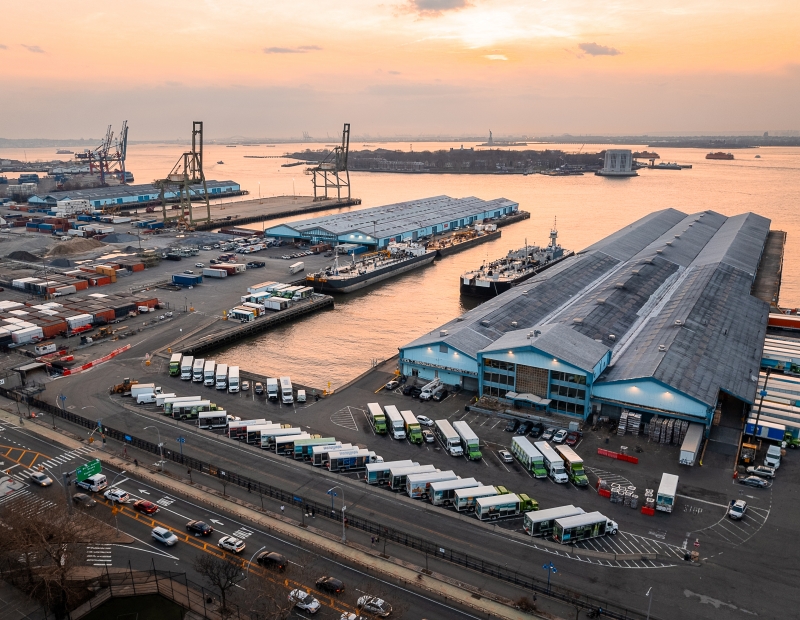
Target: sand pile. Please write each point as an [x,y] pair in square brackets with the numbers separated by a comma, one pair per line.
[74,246]
[24,256]
[119,238]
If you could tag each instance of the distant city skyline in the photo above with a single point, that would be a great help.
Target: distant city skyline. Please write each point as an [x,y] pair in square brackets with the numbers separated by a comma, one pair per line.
[403,68]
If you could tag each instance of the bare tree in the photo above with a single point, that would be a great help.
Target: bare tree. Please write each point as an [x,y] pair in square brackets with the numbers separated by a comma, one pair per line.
[266,596]
[220,573]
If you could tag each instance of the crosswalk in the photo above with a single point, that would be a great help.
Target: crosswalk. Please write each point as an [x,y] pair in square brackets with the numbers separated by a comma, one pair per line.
[242,533]
[609,477]
[22,474]
[165,501]
[98,555]
[26,503]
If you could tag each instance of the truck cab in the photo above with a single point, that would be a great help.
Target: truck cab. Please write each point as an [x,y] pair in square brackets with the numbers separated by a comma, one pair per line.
[558,473]
[773,457]
[272,388]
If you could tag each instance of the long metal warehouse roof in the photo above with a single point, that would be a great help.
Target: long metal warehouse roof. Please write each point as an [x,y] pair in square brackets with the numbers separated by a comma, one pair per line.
[398,218]
[119,191]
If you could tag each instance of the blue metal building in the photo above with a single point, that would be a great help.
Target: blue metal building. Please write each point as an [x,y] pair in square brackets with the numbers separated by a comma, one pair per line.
[656,318]
[402,221]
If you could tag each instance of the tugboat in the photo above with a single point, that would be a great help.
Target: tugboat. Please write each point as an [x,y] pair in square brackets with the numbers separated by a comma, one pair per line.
[517,266]
[397,258]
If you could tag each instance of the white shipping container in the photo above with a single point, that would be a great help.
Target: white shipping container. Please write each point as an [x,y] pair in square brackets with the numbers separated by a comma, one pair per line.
[297,267]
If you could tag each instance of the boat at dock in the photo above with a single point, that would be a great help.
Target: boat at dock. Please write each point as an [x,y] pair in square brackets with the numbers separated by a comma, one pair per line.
[397,258]
[517,266]
[461,240]
[719,155]
[665,165]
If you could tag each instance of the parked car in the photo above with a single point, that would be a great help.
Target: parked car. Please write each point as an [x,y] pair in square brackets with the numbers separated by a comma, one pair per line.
[524,428]
[215,246]
[572,438]
[440,394]
[229,543]
[168,315]
[349,615]
[198,528]
[330,585]
[188,271]
[560,436]
[84,500]
[415,392]
[407,389]
[199,265]
[737,508]
[145,506]
[548,434]
[272,560]
[163,535]
[206,247]
[259,387]
[755,481]
[428,436]
[536,430]
[761,470]
[513,425]
[393,384]
[303,600]
[505,456]
[245,386]
[424,420]
[41,478]
[374,605]
[117,495]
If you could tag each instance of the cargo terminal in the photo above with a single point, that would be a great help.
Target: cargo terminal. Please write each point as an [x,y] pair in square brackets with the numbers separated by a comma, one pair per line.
[657,318]
[402,221]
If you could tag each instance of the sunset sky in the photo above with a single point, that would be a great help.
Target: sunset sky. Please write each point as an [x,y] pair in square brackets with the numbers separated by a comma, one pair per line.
[450,67]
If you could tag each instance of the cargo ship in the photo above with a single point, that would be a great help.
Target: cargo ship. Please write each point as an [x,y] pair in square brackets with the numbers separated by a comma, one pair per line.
[719,155]
[396,259]
[519,265]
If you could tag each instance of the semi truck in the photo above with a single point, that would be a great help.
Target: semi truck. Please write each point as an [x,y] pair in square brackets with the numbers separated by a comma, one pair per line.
[690,447]
[411,426]
[470,444]
[209,377]
[287,393]
[465,499]
[398,474]
[378,473]
[442,493]
[272,389]
[221,377]
[574,466]
[418,485]
[665,498]
[765,430]
[541,522]
[197,370]
[395,421]
[552,462]
[448,437]
[233,379]
[175,365]
[528,456]
[583,527]
[186,368]
[496,507]
[319,454]
[377,418]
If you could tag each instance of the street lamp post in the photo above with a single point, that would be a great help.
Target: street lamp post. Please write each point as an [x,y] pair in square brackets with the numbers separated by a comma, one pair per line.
[650,602]
[251,560]
[61,399]
[332,494]
[763,394]
[160,446]
[551,570]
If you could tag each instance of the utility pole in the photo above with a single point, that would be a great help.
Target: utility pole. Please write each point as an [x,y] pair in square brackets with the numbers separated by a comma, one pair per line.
[763,393]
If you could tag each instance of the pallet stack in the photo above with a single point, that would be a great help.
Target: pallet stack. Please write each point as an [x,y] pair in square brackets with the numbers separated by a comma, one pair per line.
[634,422]
[654,431]
[623,422]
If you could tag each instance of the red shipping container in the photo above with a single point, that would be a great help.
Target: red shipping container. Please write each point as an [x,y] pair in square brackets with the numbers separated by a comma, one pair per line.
[80,285]
[137,267]
[54,329]
[106,314]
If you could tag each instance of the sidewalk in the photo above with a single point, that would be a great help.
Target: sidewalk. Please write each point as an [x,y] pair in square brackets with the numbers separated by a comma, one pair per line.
[369,560]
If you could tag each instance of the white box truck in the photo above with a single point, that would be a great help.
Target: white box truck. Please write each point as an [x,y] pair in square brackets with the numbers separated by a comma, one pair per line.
[442,493]
[418,485]
[287,393]
[690,447]
[552,462]
[541,522]
[209,378]
[464,499]
[448,437]
[667,490]
[395,422]
[497,507]
[144,388]
[222,377]
[186,368]
[197,370]
[233,379]
[583,527]
[272,389]
[399,473]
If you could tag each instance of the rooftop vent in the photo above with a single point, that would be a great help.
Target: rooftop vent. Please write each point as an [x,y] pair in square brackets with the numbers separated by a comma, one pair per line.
[442,332]
[678,322]
[677,236]
[662,347]
[601,301]
[635,272]
[612,337]
[668,243]
[524,292]
[577,320]
[659,251]
[619,285]
[513,323]
[485,323]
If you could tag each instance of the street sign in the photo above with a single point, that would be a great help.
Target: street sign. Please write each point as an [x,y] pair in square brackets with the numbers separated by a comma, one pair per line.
[127,437]
[181,440]
[82,472]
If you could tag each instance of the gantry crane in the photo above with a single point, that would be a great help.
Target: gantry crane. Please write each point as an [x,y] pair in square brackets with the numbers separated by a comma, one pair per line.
[328,173]
[110,156]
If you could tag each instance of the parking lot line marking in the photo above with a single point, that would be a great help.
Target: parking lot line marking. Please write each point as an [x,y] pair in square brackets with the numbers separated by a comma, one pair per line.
[694,499]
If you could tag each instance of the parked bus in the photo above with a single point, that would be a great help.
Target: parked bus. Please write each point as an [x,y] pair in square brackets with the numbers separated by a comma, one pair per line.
[378,473]
[583,527]
[448,437]
[541,522]
[237,429]
[377,418]
[497,507]
[212,419]
[442,493]
[465,499]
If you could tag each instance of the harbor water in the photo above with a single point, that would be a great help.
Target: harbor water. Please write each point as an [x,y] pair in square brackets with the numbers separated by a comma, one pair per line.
[332,347]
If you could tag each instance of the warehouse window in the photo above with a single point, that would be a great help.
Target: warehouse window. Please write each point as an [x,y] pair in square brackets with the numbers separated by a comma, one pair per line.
[442,348]
[532,380]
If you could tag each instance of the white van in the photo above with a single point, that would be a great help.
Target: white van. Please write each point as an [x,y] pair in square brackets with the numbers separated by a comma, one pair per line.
[95,483]
[145,399]
[301,396]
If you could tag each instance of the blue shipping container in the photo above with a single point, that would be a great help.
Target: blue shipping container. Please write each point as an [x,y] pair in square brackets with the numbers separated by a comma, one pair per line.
[154,225]
[185,279]
[775,432]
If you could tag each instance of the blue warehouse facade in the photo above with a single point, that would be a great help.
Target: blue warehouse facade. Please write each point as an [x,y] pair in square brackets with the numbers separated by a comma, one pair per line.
[656,318]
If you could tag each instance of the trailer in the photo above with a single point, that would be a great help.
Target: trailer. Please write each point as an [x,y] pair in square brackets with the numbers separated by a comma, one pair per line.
[583,527]
[185,279]
[144,388]
[411,427]
[378,473]
[465,499]
[186,368]
[470,444]
[350,460]
[208,373]
[262,287]
[303,449]
[396,424]
[418,485]
[399,473]
[212,419]
[442,493]
[237,429]
[541,522]
[497,507]
[528,456]
[285,445]
[667,490]
[448,437]
[276,304]
[297,267]
[377,418]
[210,272]
[690,447]
[771,431]
[573,465]
[175,365]
[552,462]
[319,454]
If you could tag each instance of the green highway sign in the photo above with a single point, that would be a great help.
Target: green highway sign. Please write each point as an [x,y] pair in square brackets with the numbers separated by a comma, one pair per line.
[87,470]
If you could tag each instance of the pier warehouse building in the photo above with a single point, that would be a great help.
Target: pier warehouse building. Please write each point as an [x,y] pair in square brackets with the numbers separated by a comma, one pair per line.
[402,221]
[656,318]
